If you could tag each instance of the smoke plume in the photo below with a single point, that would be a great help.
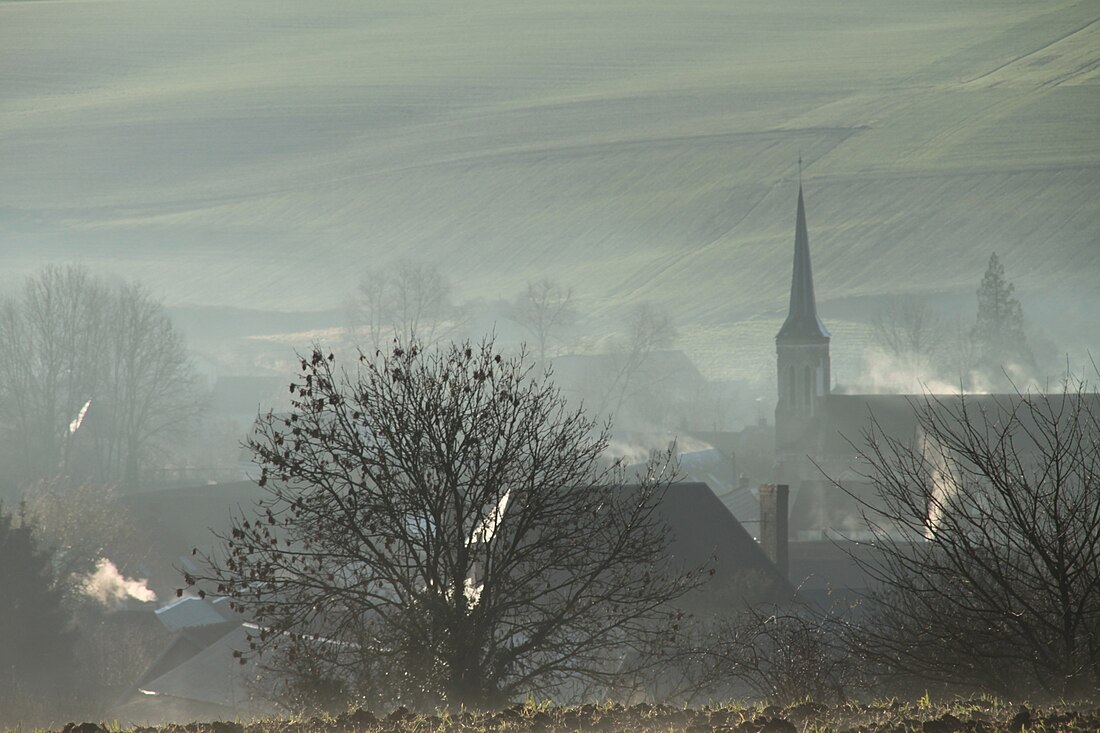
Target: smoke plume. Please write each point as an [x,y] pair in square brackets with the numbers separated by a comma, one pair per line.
[885,373]
[110,587]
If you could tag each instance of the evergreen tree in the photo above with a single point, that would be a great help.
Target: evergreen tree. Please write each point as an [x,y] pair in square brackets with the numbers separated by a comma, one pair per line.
[35,639]
[998,333]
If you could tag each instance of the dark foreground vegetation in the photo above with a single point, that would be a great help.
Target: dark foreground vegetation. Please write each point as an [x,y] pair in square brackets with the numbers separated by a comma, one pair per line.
[973,715]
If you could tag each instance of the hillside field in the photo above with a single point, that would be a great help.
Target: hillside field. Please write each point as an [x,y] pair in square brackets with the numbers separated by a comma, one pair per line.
[260,155]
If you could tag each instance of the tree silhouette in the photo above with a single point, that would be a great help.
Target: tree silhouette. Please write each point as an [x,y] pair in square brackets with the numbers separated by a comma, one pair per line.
[407,300]
[543,309]
[910,331]
[439,528]
[648,329]
[998,332]
[80,356]
[987,544]
[35,641]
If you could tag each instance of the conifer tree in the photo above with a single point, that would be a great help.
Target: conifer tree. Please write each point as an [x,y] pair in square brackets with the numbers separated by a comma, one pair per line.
[998,333]
[35,641]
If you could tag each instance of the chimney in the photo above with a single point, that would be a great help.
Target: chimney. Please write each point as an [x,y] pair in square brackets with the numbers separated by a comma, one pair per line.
[773,524]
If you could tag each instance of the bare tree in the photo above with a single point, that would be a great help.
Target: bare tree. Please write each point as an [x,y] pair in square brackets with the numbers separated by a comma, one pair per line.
[405,301]
[49,366]
[988,537]
[648,329]
[75,352]
[961,355]
[909,330]
[779,653]
[543,309]
[149,389]
[438,528]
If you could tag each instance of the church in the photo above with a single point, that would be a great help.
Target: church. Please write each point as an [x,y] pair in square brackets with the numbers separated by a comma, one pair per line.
[819,433]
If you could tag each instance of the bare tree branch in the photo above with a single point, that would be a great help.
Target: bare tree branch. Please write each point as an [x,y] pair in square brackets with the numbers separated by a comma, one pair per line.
[648,329]
[405,301]
[988,538]
[543,309]
[80,356]
[438,528]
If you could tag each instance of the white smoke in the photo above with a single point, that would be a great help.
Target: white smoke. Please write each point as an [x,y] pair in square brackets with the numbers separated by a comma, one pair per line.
[891,374]
[79,419]
[885,373]
[487,527]
[945,483]
[637,448]
[110,587]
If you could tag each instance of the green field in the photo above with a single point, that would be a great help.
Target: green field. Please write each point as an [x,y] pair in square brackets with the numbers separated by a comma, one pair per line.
[253,154]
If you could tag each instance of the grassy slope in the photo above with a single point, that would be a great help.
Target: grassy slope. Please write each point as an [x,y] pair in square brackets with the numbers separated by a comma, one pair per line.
[252,155]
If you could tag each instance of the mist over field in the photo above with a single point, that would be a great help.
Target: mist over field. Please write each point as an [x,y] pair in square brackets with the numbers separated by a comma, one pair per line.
[250,155]
[203,203]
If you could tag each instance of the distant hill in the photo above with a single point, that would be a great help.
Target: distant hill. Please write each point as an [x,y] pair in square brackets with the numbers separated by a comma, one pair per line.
[256,156]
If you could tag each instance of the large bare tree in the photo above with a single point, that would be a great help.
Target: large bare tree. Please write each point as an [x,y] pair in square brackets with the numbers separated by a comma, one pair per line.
[439,528]
[910,331]
[988,537]
[647,330]
[543,309]
[148,385]
[77,353]
[405,300]
[50,336]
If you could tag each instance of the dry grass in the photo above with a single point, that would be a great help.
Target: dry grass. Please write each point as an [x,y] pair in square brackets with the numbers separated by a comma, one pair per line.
[975,715]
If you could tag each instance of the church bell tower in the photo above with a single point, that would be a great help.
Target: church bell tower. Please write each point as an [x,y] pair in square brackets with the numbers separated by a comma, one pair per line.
[802,350]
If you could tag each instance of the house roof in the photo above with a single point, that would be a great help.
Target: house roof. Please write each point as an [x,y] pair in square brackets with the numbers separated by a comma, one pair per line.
[177,520]
[192,612]
[704,532]
[208,684]
[825,571]
[847,417]
[183,646]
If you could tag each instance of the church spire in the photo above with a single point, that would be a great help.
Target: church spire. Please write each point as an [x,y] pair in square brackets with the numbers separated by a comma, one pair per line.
[802,323]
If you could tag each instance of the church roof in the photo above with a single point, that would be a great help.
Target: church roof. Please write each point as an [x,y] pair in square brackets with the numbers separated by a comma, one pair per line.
[802,323]
[848,417]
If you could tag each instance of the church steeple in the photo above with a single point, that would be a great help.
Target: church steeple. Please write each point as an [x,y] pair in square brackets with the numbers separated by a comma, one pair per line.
[802,324]
[802,351]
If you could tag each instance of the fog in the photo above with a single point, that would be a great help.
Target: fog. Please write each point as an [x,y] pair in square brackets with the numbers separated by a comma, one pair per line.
[239,183]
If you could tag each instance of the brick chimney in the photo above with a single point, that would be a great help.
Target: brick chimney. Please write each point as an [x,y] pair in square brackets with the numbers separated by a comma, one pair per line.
[773,524]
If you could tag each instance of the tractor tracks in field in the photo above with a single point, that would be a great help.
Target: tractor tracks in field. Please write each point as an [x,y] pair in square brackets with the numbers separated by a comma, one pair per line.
[1034,52]
[653,273]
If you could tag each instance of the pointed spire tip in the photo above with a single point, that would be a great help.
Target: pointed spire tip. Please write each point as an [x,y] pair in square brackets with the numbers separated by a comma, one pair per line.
[802,322]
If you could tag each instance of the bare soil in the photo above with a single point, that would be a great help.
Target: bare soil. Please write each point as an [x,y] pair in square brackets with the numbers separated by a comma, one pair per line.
[971,716]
